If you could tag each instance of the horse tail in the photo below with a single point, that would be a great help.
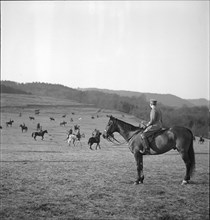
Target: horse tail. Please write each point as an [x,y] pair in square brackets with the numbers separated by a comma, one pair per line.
[32,135]
[191,155]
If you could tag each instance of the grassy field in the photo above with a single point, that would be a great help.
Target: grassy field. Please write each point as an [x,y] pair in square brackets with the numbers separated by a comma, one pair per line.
[50,180]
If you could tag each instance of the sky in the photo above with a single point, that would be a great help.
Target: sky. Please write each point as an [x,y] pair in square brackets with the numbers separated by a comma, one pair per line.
[143,46]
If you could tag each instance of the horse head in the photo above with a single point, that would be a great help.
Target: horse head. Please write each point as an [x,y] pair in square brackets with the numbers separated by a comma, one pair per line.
[111,127]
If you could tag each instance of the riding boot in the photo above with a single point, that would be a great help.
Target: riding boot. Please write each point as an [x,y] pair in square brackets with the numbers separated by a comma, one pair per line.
[146,148]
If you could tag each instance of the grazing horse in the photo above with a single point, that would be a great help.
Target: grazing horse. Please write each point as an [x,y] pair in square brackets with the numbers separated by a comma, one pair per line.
[95,140]
[39,133]
[9,123]
[52,119]
[201,140]
[63,123]
[37,111]
[24,128]
[176,137]
[31,118]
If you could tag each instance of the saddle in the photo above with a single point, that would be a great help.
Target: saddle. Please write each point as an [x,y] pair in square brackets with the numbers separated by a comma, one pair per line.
[152,136]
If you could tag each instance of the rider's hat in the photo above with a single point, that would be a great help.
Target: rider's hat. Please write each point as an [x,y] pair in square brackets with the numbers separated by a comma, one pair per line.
[153,101]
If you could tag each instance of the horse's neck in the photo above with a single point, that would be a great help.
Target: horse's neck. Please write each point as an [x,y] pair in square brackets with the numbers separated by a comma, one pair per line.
[127,130]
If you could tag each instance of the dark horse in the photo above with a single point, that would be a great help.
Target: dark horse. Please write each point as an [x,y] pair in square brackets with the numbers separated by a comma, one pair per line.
[39,133]
[176,137]
[201,140]
[9,123]
[24,128]
[95,140]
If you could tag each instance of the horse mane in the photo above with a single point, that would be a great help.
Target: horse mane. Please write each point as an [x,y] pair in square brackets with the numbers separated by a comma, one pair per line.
[127,125]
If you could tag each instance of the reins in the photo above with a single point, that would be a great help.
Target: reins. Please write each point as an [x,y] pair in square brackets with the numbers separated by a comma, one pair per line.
[121,143]
[111,138]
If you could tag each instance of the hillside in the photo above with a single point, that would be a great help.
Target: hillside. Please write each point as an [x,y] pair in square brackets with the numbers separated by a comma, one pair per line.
[165,99]
[199,102]
[194,117]
[60,91]
[28,100]
[8,89]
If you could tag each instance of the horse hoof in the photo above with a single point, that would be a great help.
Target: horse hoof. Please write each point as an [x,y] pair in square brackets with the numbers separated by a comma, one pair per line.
[184,182]
[136,183]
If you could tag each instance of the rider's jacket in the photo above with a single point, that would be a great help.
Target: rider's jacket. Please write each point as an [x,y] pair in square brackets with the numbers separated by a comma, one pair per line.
[155,117]
[155,122]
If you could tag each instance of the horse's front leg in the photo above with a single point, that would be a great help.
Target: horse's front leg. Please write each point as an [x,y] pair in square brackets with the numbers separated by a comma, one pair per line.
[99,147]
[139,164]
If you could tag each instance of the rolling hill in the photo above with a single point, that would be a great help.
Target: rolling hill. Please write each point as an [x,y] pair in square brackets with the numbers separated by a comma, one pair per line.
[176,111]
[165,99]
[60,91]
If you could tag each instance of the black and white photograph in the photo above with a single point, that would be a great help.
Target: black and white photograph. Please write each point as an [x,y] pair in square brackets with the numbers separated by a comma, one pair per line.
[105,110]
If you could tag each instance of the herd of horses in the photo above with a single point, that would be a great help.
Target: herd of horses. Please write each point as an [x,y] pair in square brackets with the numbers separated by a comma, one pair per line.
[176,138]
[71,138]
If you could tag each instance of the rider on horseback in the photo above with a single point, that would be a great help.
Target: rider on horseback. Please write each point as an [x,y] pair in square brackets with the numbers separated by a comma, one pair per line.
[152,126]
[95,133]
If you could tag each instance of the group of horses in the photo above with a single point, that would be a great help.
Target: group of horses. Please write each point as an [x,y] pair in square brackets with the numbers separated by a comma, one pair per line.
[76,137]
[177,138]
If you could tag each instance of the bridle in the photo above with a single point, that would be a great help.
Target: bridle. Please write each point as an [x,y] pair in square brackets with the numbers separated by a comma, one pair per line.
[111,138]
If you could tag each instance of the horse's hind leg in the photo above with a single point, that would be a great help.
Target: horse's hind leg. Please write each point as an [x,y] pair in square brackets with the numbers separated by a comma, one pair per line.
[187,162]
[139,163]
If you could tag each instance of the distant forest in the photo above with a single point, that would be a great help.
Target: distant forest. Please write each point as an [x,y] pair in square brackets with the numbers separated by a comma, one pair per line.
[195,118]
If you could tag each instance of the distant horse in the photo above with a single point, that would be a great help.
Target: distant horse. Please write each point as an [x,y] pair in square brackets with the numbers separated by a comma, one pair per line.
[201,140]
[76,127]
[9,123]
[39,133]
[52,119]
[179,138]
[24,128]
[63,123]
[72,138]
[37,111]
[31,118]
[95,140]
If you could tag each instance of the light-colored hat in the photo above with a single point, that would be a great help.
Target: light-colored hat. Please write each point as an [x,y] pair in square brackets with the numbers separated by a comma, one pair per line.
[153,101]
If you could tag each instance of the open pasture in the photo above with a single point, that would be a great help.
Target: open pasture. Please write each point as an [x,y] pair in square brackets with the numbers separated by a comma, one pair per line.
[50,180]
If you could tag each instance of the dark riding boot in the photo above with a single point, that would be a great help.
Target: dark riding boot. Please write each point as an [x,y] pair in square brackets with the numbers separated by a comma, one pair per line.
[146,148]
